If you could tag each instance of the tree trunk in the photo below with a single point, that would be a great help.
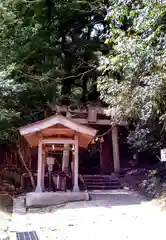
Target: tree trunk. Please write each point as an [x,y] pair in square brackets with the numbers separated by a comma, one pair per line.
[27,169]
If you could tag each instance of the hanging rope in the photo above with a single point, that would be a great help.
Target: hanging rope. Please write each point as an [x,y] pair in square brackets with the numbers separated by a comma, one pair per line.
[109,130]
[102,135]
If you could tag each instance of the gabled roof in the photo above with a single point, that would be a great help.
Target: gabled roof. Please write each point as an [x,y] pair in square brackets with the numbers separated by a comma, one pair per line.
[57,125]
[57,119]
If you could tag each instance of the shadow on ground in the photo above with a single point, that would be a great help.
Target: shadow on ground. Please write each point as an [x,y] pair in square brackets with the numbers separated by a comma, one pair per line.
[98,199]
[6,203]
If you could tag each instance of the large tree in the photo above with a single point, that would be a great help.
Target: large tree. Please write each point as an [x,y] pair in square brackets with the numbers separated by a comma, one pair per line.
[55,50]
[49,52]
[133,77]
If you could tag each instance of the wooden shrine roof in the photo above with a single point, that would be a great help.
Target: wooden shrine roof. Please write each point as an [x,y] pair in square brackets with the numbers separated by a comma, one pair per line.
[56,127]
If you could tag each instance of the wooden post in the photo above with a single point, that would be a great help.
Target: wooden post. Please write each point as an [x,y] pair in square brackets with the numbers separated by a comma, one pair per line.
[101,157]
[72,167]
[43,172]
[115,146]
[39,170]
[76,187]
[65,159]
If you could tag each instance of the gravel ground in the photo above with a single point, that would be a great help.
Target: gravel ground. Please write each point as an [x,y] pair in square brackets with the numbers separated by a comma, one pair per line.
[118,215]
[5,215]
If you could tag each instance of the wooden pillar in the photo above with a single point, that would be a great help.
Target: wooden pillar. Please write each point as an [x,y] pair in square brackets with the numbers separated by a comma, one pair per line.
[72,167]
[101,156]
[75,186]
[115,146]
[40,167]
[65,159]
[43,172]
[106,165]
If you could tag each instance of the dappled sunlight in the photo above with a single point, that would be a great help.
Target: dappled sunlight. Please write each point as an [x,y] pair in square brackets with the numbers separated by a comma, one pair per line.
[5,219]
[117,192]
[81,212]
[5,213]
[96,219]
[6,203]
[121,216]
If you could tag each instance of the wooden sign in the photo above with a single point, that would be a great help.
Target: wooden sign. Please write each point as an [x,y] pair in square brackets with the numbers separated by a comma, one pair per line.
[50,160]
[163,155]
[92,114]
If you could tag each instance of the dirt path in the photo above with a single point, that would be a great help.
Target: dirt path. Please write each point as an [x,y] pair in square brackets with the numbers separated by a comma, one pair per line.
[5,215]
[113,215]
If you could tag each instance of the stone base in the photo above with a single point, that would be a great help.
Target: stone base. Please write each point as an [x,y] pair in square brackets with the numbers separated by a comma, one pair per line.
[44,199]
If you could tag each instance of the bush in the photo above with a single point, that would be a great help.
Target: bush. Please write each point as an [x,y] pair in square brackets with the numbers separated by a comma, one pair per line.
[152,186]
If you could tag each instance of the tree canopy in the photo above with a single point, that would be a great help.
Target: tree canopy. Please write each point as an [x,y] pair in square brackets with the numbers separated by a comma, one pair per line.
[48,54]
[72,52]
[133,79]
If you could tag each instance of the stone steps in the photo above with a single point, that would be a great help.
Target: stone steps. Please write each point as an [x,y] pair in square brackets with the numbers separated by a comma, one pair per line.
[103,187]
[101,182]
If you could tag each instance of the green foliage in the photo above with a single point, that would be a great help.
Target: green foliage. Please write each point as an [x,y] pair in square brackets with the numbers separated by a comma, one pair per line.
[133,77]
[47,50]
[63,52]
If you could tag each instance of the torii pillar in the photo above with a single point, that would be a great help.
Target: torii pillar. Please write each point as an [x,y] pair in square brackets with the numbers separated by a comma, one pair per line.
[40,169]
[115,147]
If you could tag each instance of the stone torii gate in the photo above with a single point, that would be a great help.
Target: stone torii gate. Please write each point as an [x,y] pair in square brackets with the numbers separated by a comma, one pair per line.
[57,129]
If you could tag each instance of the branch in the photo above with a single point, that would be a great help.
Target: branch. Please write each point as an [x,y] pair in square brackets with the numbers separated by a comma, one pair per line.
[24,164]
[78,75]
[61,79]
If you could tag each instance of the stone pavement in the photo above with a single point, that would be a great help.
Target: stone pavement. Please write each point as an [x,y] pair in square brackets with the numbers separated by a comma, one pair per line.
[115,215]
[5,220]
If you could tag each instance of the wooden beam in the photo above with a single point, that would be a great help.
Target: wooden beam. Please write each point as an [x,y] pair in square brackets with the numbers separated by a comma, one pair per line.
[58,141]
[60,109]
[56,148]
[98,122]
[57,131]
